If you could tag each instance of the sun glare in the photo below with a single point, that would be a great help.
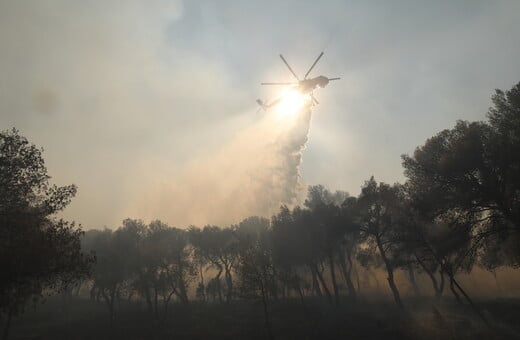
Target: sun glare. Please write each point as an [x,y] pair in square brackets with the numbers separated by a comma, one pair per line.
[291,102]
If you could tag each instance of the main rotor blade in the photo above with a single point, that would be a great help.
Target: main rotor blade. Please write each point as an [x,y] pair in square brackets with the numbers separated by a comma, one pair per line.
[334,79]
[289,67]
[291,83]
[309,71]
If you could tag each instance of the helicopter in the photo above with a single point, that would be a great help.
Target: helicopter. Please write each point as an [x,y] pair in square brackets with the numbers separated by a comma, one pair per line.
[304,86]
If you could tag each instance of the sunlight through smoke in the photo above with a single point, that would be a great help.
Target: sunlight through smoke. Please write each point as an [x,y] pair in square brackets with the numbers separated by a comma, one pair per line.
[291,102]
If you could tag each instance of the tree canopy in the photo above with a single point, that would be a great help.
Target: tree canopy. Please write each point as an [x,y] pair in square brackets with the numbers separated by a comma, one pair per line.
[37,251]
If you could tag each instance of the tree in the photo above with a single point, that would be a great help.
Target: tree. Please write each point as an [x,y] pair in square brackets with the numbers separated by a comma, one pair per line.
[136,267]
[37,251]
[172,257]
[312,242]
[470,175]
[110,270]
[328,222]
[300,242]
[255,268]
[350,241]
[420,239]
[380,209]
[218,246]
[443,245]
[474,169]
[290,250]
[152,260]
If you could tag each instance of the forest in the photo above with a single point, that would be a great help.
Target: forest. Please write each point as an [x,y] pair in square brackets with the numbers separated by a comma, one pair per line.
[387,263]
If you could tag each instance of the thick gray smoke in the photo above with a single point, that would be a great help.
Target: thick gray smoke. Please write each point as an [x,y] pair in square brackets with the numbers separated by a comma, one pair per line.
[252,174]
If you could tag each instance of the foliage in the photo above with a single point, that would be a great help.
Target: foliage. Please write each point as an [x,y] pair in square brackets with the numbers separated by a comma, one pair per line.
[38,253]
[471,174]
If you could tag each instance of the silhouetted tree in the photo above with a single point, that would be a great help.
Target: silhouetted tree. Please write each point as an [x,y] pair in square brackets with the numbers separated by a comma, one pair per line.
[138,260]
[288,251]
[255,268]
[419,241]
[175,269]
[116,254]
[37,252]
[473,171]
[312,245]
[152,260]
[350,241]
[219,247]
[328,223]
[380,209]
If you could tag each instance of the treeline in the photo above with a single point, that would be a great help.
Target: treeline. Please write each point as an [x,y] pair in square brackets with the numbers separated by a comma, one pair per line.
[459,207]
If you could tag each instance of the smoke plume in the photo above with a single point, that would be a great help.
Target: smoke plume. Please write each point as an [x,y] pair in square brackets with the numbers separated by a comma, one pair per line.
[252,174]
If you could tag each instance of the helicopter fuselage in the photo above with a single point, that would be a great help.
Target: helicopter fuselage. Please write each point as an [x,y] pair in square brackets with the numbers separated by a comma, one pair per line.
[308,85]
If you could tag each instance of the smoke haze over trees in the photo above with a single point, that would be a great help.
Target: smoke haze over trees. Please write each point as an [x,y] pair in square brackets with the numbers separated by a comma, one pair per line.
[457,212]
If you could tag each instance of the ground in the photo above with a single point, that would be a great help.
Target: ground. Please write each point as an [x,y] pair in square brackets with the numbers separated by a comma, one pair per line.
[77,318]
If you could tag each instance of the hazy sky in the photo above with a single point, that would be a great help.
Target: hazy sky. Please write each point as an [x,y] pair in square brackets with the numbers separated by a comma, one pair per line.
[149,106]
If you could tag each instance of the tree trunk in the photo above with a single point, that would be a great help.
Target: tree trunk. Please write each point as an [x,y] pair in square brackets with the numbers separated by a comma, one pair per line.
[266,312]
[276,286]
[356,271]
[495,276]
[155,301]
[333,277]
[229,283]
[315,284]
[453,282]
[452,288]
[202,283]
[347,273]
[93,292]
[302,298]
[182,292]
[112,298]
[441,285]
[390,271]
[219,286]
[466,296]
[166,302]
[109,299]
[78,288]
[431,275]
[411,277]
[284,291]
[322,281]
[393,287]
[182,283]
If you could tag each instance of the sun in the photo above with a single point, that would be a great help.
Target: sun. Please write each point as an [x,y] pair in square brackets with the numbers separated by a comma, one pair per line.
[291,102]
